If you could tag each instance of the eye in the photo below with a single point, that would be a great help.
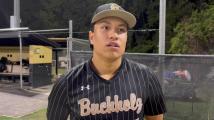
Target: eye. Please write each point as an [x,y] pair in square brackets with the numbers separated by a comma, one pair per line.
[105,27]
[122,30]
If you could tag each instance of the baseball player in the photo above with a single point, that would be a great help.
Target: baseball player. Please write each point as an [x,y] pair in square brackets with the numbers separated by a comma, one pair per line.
[108,86]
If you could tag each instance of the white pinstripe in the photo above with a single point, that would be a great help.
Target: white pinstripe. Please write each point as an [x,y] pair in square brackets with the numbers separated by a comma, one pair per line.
[155,87]
[93,90]
[153,77]
[87,78]
[64,102]
[115,92]
[120,89]
[79,88]
[140,80]
[58,103]
[109,94]
[149,91]
[153,92]
[54,97]
[130,84]
[105,90]
[132,80]
[125,88]
[135,85]
[99,95]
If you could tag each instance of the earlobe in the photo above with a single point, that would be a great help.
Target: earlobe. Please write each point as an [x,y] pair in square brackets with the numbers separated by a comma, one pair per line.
[91,36]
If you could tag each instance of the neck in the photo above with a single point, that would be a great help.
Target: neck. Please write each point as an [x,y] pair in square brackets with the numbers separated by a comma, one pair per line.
[106,68]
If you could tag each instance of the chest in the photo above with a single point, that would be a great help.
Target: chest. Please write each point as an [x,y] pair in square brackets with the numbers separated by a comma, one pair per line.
[123,96]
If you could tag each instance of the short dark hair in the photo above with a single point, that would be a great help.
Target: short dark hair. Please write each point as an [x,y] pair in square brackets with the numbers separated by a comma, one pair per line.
[92,30]
[92,27]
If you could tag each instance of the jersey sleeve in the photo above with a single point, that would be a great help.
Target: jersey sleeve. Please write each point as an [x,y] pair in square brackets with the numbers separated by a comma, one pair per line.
[155,102]
[57,102]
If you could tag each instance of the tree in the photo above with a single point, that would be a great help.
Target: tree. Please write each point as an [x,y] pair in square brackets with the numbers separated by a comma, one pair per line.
[30,14]
[52,14]
[177,10]
[195,35]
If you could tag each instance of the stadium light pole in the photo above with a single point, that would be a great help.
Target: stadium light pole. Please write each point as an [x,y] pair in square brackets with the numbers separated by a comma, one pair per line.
[162,26]
[16,24]
[69,45]
[17,13]
[162,22]
[20,59]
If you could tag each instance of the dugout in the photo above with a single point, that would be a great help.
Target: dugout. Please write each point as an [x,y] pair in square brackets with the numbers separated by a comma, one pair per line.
[30,56]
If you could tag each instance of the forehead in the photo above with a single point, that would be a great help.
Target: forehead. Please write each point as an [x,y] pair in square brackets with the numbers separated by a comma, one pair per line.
[113,20]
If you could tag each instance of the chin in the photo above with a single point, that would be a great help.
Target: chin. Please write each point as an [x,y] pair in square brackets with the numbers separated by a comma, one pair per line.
[114,56]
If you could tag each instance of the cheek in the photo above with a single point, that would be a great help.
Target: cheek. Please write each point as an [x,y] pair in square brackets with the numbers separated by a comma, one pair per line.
[124,41]
[99,40]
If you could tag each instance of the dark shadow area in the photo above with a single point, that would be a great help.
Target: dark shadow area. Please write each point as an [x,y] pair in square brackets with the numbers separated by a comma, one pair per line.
[14,88]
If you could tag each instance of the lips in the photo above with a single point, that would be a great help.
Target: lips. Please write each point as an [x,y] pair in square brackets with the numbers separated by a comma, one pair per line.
[113,44]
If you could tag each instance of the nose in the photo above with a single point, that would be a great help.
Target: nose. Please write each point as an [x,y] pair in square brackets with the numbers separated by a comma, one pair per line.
[113,35]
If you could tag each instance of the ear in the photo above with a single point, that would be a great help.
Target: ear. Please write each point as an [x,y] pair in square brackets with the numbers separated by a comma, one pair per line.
[91,37]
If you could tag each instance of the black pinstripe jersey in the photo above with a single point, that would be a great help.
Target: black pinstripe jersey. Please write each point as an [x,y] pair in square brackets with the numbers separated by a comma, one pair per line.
[133,92]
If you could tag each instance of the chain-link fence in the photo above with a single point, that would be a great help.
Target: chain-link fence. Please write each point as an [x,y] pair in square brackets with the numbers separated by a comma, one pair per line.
[187,82]
[60,56]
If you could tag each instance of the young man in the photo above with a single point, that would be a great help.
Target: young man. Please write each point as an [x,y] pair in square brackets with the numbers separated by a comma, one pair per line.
[108,86]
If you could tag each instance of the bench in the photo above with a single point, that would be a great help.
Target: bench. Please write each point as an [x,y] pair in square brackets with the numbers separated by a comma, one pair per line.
[13,72]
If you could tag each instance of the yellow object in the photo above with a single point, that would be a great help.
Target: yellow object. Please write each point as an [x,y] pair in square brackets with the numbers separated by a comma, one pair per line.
[12,53]
[40,54]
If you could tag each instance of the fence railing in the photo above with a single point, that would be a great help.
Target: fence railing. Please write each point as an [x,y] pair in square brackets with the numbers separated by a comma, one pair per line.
[187,82]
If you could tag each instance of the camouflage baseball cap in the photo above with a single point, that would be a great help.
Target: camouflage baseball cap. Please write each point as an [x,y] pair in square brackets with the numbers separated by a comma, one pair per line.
[113,10]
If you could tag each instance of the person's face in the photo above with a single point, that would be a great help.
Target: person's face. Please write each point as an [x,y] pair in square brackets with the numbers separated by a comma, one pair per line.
[109,38]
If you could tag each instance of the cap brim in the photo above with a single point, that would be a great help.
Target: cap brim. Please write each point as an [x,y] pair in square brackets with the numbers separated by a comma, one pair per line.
[126,16]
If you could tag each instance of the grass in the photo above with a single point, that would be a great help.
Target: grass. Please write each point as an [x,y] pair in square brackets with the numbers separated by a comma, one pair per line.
[180,110]
[60,70]
[39,115]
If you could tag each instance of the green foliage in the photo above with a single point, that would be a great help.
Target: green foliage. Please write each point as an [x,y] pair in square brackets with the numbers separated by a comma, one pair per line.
[52,14]
[147,46]
[195,35]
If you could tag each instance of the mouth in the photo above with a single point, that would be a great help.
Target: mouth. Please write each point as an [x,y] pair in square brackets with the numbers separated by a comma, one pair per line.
[113,44]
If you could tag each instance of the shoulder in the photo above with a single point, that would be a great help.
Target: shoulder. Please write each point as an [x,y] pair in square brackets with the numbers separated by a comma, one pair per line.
[62,84]
[76,70]
[135,65]
[73,73]
[140,68]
